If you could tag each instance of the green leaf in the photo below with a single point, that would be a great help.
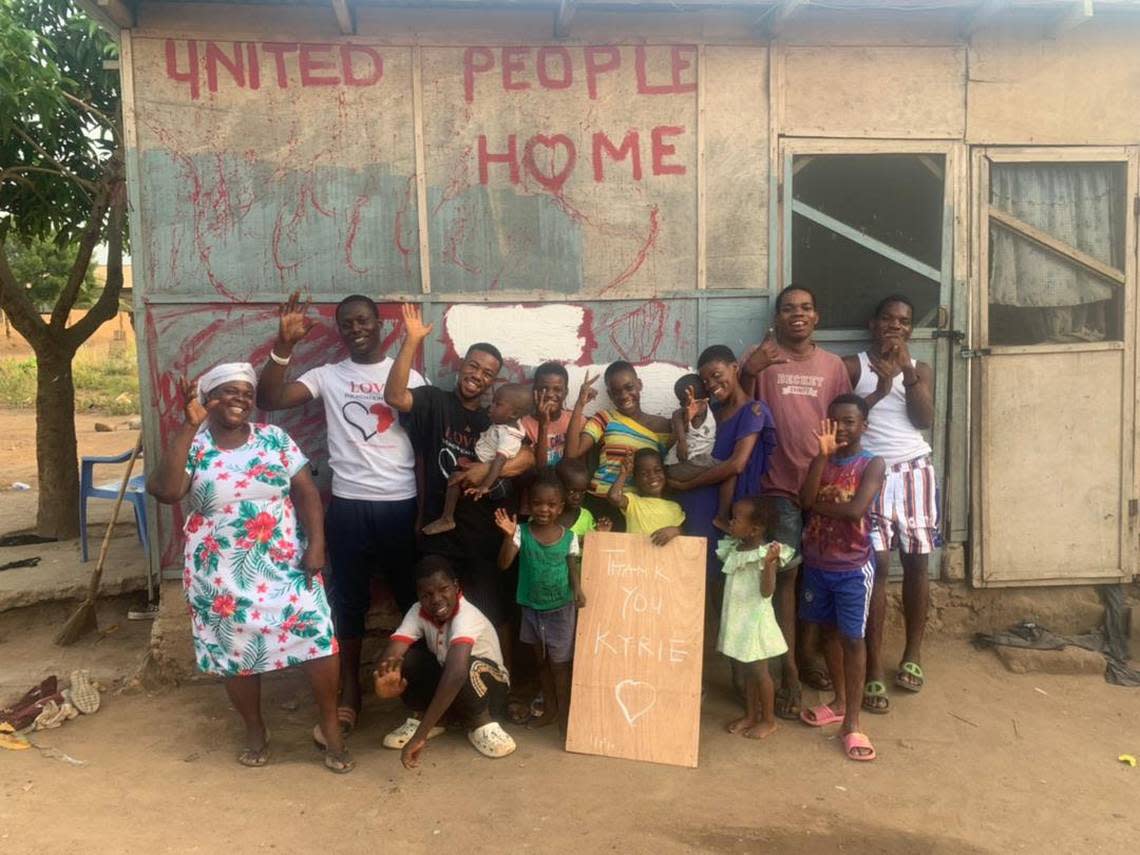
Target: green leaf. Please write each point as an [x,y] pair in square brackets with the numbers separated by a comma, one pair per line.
[256,655]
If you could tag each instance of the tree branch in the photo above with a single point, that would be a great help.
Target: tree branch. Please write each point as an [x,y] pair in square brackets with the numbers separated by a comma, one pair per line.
[19,307]
[107,122]
[83,184]
[107,306]
[91,233]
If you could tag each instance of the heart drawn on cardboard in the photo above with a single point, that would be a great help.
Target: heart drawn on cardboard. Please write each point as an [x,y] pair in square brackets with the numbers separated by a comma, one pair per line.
[636,698]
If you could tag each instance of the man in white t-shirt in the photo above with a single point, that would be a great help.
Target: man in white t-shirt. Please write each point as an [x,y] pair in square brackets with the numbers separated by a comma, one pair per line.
[899,391]
[370,522]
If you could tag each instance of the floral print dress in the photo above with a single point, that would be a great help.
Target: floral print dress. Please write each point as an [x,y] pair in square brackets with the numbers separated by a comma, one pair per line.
[250,607]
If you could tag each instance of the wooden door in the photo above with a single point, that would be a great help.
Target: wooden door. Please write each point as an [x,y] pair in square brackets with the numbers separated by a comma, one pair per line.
[1054,365]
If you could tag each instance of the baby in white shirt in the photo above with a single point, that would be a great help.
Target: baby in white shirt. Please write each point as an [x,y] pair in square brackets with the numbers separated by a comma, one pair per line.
[496,445]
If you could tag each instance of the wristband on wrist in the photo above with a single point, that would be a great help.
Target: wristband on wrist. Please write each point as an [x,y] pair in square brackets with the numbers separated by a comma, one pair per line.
[280,360]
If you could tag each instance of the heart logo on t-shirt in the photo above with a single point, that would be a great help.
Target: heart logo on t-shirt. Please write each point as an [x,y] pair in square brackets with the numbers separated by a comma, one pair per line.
[368,420]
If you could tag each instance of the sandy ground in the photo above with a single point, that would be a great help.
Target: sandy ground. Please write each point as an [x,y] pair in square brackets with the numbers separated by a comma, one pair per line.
[981,761]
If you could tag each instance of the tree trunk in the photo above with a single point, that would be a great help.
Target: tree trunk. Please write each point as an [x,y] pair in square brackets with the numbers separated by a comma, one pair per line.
[56,457]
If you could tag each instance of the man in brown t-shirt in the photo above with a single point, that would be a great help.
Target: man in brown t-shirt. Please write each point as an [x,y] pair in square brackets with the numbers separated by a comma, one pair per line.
[797,379]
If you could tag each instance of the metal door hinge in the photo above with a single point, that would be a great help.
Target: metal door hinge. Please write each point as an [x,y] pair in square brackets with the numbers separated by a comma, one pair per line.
[953,335]
[967,353]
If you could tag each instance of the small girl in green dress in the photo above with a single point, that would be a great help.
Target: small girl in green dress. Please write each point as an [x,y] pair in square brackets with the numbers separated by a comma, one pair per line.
[749,634]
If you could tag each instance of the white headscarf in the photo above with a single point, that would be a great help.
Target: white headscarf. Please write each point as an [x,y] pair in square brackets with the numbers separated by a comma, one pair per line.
[227,372]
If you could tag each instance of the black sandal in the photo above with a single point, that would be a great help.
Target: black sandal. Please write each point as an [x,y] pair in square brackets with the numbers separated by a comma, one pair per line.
[339,762]
[788,704]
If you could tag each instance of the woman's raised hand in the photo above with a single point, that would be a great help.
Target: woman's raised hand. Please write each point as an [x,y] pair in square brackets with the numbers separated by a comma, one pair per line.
[193,409]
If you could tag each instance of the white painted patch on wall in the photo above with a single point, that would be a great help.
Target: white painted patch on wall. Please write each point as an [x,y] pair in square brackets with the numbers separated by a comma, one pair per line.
[528,336]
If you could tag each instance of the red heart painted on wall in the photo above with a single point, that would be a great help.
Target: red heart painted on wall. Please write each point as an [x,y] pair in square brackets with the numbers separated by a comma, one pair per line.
[553,181]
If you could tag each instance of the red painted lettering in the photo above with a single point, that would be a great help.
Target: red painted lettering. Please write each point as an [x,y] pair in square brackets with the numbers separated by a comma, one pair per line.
[279,49]
[595,67]
[512,62]
[643,85]
[235,65]
[662,150]
[552,180]
[629,148]
[375,61]
[544,78]
[191,74]
[470,68]
[254,66]
[511,158]
[308,64]
[679,64]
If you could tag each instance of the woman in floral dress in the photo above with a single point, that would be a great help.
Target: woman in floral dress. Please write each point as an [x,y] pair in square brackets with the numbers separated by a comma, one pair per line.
[254,553]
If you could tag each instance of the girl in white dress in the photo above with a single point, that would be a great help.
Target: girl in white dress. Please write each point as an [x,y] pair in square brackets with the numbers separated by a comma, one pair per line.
[749,634]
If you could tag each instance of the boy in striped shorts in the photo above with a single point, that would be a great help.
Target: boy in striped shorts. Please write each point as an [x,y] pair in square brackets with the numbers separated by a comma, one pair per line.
[899,392]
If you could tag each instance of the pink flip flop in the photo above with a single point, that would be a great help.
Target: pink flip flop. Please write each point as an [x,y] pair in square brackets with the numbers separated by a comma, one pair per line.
[853,741]
[820,716]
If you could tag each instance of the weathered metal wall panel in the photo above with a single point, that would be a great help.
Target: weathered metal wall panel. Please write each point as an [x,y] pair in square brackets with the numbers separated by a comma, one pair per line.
[269,166]
[561,168]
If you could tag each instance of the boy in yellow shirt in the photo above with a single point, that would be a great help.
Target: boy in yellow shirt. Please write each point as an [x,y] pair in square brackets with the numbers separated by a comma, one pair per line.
[646,512]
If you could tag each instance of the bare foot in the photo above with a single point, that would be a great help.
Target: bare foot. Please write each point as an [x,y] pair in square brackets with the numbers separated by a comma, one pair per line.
[547,718]
[740,724]
[760,730]
[722,524]
[439,526]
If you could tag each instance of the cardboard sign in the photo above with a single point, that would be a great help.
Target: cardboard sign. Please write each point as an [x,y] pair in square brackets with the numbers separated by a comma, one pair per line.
[637,663]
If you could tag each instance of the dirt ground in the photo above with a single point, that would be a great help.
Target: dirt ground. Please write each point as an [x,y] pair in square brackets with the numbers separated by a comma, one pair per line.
[982,761]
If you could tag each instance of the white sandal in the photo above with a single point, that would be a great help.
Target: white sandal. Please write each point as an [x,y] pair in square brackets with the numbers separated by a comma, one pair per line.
[491,740]
[403,734]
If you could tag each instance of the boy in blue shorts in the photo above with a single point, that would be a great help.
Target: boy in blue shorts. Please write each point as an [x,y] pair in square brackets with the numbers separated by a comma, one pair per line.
[839,562]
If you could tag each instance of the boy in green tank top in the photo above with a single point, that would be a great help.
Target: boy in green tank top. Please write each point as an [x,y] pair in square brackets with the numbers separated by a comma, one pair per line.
[549,590]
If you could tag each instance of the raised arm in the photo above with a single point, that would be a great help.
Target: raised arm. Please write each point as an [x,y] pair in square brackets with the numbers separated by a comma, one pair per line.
[508,524]
[543,407]
[168,481]
[918,382]
[616,493]
[764,356]
[273,393]
[680,424]
[396,391]
[828,445]
[578,443]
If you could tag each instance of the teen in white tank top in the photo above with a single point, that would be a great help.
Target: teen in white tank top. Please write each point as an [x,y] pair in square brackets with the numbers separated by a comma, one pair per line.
[890,433]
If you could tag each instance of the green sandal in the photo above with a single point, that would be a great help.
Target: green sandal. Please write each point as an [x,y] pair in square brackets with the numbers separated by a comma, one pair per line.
[875,699]
[910,677]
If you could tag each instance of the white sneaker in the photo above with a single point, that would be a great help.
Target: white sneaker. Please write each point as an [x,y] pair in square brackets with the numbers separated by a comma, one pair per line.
[403,734]
[491,740]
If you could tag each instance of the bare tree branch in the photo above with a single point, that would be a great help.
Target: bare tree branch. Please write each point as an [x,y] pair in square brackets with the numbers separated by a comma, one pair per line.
[112,177]
[82,183]
[107,306]
[15,302]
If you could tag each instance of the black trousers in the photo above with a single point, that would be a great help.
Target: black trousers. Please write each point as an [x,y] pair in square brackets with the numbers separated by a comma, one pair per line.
[485,688]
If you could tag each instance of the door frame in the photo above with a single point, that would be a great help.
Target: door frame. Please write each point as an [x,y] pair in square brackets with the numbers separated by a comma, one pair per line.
[947,366]
[978,337]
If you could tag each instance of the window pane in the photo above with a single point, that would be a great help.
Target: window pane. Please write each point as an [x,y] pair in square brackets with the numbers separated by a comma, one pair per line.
[1036,295]
[894,199]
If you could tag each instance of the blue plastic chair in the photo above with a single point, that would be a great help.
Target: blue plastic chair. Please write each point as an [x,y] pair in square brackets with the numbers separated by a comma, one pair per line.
[136,495]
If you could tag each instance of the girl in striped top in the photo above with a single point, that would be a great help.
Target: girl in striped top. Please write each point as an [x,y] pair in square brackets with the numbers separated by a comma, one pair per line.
[617,432]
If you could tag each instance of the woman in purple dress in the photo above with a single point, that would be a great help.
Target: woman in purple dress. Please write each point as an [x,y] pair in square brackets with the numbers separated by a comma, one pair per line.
[745,437]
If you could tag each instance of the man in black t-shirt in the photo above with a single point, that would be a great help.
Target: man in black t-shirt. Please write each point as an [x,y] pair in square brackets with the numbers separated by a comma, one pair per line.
[444,427]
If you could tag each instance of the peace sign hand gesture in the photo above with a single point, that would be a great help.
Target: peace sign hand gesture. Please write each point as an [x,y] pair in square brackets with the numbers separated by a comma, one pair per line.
[587,392]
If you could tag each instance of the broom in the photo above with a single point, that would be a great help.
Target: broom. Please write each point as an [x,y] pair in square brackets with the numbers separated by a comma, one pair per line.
[85,620]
